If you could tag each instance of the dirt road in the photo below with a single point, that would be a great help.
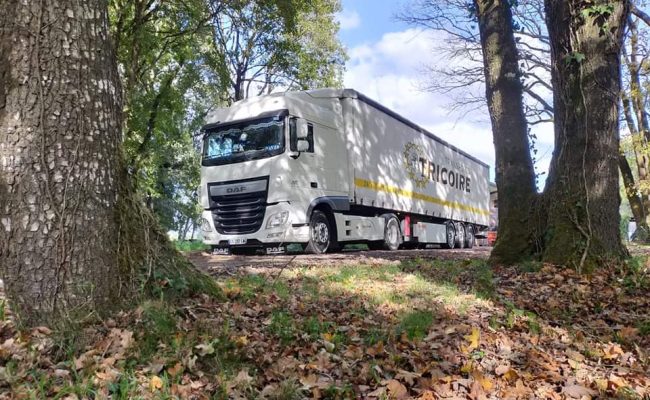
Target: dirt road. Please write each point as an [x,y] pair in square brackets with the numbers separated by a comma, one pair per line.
[219,265]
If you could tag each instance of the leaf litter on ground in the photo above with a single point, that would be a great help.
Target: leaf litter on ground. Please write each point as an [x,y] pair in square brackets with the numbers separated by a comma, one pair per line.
[420,328]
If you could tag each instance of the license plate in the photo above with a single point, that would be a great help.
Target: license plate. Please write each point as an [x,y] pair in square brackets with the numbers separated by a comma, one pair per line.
[236,241]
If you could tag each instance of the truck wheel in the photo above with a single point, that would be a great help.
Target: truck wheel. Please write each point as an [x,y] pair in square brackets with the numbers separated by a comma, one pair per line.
[460,235]
[451,236]
[321,239]
[392,233]
[469,236]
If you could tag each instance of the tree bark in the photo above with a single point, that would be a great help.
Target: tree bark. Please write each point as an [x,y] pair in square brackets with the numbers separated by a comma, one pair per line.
[583,187]
[76,242]
[515,176]
[60,125]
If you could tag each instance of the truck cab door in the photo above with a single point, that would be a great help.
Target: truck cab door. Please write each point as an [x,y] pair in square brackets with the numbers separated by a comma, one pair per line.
[320,164]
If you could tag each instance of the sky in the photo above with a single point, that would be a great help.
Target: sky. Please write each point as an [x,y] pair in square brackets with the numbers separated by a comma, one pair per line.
[387,61]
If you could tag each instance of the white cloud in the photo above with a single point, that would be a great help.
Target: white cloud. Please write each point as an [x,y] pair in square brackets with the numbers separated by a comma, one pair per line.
[348,20]
[390,71]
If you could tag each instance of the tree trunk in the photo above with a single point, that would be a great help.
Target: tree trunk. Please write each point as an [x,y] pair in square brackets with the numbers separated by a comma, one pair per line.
[60,127]
[515,176]
[636,204]
[76,242]
[583,187]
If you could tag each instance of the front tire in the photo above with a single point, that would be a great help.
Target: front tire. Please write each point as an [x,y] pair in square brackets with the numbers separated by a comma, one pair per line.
[321,238]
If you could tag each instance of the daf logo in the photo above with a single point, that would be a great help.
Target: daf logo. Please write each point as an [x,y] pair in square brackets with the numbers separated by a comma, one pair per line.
[236,189]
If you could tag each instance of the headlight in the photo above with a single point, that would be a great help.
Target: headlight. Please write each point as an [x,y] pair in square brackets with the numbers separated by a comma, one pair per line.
[205,225]
[277,219]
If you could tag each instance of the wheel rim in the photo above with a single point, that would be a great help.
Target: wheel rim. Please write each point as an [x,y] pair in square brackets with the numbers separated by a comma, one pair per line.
[320,235]
[469,235]
[461,234]
[451,236]
[392,235]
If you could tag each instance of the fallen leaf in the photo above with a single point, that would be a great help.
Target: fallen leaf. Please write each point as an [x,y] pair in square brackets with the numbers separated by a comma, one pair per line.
[155,384]
[176,369]
[578,391]
[485,382]
[396,390]
[204,349]
[473,340]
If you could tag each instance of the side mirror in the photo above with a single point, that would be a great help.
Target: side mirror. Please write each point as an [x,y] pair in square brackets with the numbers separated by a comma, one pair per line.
[302,145]
[301,129]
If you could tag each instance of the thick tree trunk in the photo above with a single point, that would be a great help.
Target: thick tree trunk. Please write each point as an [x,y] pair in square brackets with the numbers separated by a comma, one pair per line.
[76,242]
[60,124]
[583,187]
[515,176]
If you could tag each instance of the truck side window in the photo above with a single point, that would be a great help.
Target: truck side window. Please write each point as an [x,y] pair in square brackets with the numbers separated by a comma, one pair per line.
[294,140]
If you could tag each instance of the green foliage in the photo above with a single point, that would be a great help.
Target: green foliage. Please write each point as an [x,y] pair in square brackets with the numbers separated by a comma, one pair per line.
[279,43]
[190,245]
[171,76]
[574,57]
[598,10]
[179,58]
[635,275]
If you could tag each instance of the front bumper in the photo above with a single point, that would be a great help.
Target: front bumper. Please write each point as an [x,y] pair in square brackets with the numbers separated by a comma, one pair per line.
[290,232]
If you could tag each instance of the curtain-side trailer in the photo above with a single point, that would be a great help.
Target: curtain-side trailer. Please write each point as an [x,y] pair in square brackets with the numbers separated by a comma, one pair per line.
[328,167]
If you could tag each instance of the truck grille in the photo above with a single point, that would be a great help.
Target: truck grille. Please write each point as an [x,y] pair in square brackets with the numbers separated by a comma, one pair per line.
[238,213]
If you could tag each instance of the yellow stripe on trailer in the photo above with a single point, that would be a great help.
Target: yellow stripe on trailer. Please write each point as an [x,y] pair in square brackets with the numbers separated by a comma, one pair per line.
[382,187]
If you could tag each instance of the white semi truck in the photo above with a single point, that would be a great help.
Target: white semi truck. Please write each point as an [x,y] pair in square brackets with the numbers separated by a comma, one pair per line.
[329,167]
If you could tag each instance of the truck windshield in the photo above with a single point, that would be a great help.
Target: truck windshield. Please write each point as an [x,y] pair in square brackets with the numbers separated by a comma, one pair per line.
[243,142]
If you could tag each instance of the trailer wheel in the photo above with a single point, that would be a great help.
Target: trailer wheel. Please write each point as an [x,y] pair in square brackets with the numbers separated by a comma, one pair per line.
[451,236]
[321,238]
[460,235]
[469,236]
[392,233]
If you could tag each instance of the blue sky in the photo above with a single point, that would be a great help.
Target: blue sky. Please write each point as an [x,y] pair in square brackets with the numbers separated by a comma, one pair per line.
[388,61]
[378,18]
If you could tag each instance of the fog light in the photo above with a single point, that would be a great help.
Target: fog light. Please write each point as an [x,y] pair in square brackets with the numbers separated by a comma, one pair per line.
[205,225]
[277,219]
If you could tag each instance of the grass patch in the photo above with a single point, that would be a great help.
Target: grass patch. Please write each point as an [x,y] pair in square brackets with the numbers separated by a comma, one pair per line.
[190,245]
[314,327]
[415,324]
[158,325]
[374,336]
[474,274]
[530,266]
[280,289]
[288,389]
[282,326]
[636,277]
[350,274]
[644,327]
[515,316]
